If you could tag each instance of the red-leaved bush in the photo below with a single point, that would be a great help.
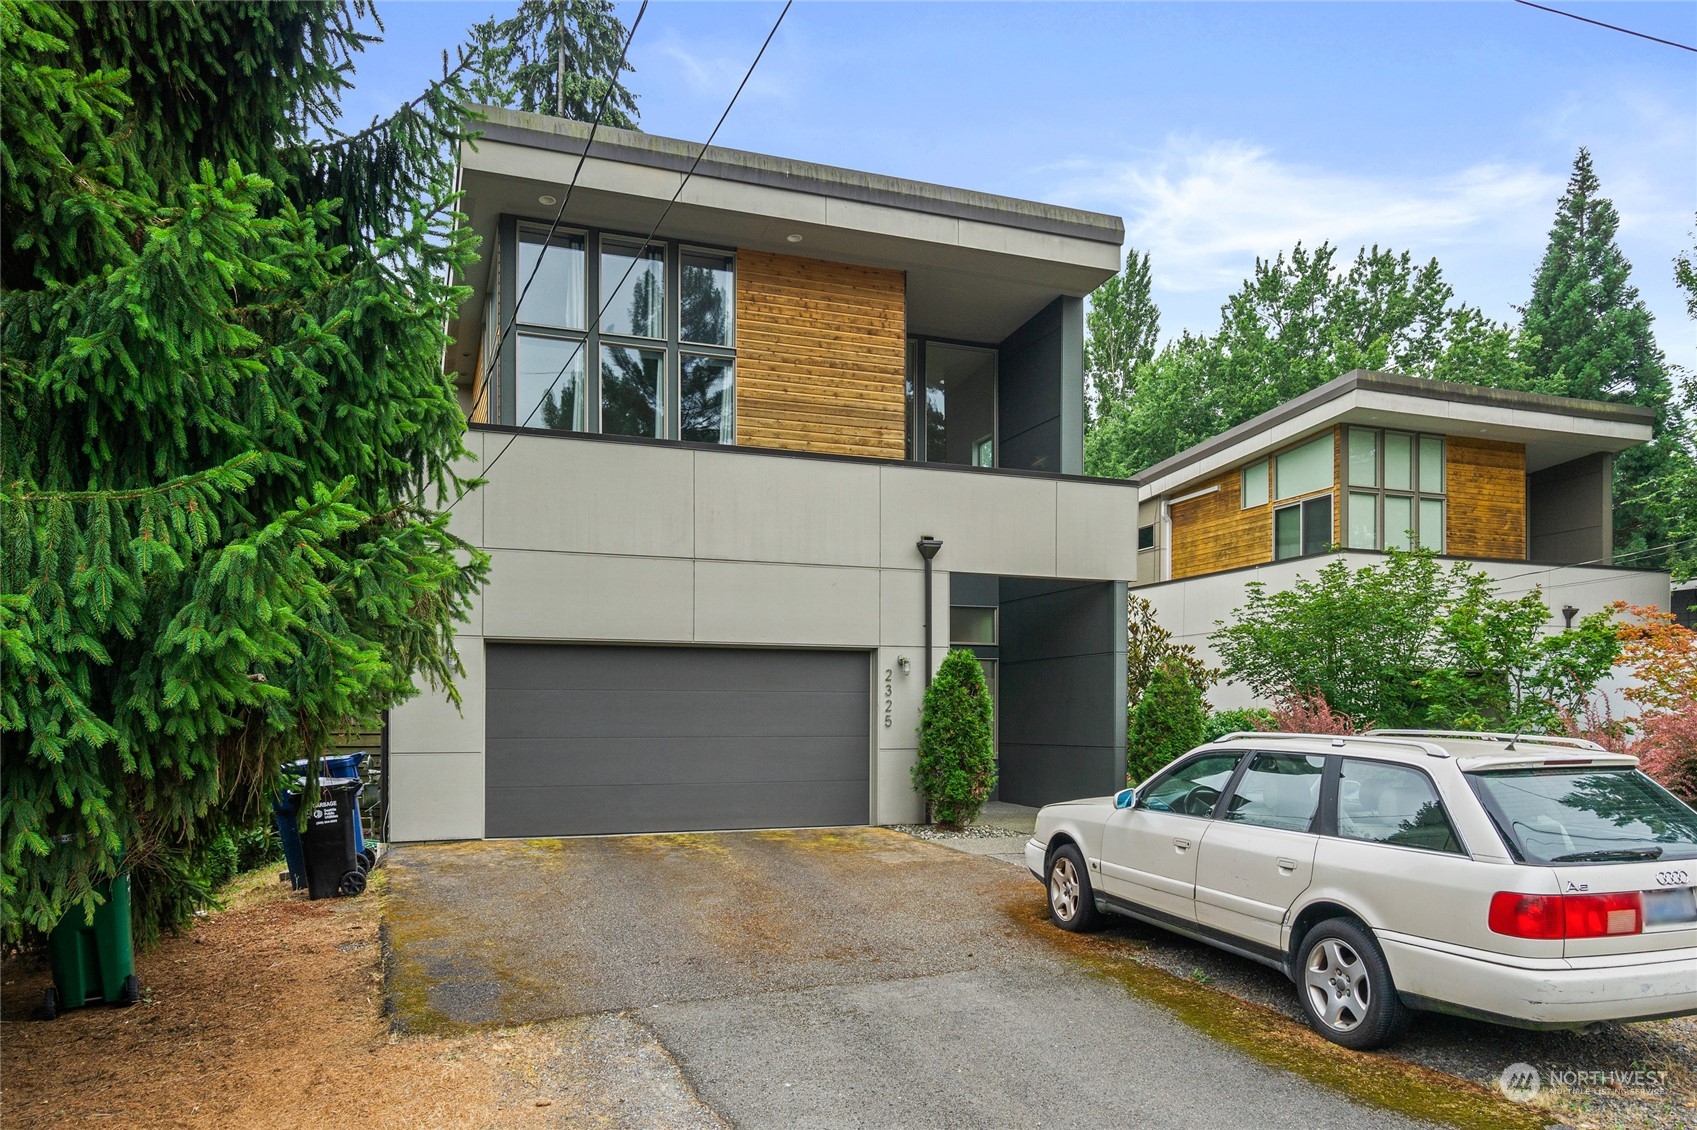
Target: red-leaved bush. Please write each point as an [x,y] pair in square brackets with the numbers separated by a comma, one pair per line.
[1596,722]
[1311,714]
[1667,749]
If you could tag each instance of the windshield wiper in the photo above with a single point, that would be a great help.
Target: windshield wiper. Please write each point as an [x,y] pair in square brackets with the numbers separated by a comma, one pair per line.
[1602,855]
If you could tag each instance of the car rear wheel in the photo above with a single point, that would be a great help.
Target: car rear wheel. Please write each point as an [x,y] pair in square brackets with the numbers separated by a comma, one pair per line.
[1072,904]
[1346,986]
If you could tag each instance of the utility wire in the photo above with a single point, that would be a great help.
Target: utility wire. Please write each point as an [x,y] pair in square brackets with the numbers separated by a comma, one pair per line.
[1611,27]
[548,241]
[613,291]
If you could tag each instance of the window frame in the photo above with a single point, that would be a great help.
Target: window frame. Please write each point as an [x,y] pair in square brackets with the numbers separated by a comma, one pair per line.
[505,285]
[1382,491]
[1300,505]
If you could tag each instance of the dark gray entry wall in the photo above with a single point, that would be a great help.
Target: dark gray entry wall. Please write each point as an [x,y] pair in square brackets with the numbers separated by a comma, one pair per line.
[1062,675]
[1040,391]
[585,740]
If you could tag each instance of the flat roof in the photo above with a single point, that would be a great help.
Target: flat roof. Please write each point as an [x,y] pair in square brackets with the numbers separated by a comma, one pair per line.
[1565,427]
[542,131]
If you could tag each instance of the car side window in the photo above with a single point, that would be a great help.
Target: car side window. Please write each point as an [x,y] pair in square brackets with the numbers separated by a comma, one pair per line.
[1279,790]
[1191,789]
[1392,804]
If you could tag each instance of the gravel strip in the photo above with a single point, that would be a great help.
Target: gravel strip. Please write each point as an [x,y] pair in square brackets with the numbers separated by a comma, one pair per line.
[937,834]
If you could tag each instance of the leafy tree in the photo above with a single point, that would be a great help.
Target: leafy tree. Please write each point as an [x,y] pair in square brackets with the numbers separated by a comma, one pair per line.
[1662,654]
[1223,722]
[1298,323]
[1594,341]
[1120,332]
[554,57]
[956,770]
[1408,643]
[1148,645]
[227,440]
[1168,720]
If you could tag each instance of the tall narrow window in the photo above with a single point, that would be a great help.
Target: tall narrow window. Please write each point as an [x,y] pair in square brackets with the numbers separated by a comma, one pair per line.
[1363,457]
[633,288]
[707,298]
[1255,485]
[960,405]
[705,401]
[632,391]
[1363,520]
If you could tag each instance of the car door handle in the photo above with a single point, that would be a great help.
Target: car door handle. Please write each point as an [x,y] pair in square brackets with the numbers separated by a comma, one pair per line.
[1182,845]
[1286,864]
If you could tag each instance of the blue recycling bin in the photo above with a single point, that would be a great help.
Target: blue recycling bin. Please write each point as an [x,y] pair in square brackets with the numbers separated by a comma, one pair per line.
[285,806]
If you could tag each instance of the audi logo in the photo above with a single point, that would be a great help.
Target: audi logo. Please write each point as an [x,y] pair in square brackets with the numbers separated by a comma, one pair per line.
[1673,878]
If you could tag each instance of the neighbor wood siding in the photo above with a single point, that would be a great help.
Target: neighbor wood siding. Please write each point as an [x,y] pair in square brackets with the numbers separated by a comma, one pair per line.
[821,356]
[1486,483]
[1214,532]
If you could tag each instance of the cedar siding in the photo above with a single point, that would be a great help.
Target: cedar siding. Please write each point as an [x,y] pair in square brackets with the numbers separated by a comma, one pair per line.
[1486,483]
[1213,533]
[821,356]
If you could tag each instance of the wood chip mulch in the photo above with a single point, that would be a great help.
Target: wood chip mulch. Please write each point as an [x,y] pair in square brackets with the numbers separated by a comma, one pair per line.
[268,1013]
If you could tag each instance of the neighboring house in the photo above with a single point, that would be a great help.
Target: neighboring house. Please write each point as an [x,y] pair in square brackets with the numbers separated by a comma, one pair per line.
[707,606]
[1517,483]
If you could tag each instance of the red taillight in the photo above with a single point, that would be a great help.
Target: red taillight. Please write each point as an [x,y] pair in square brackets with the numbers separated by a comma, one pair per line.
[1566,916]
[1600,916]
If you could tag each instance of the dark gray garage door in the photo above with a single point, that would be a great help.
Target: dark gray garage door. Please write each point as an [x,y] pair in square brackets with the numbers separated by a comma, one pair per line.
[588,740]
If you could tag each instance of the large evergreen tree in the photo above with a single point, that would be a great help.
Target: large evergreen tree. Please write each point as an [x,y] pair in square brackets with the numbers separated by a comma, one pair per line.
[555,57]
[1594,341]
[227,440]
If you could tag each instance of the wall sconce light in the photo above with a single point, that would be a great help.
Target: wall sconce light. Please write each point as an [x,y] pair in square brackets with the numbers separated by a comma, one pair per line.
[1568,612]
[904,664]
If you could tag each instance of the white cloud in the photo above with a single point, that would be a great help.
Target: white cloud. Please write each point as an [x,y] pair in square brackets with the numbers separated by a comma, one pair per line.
[1205,209]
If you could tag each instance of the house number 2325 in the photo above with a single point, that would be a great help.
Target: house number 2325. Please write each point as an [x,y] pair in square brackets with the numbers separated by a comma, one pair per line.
[889,698]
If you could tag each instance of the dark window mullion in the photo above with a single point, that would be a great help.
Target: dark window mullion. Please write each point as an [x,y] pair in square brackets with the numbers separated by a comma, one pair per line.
[592,337]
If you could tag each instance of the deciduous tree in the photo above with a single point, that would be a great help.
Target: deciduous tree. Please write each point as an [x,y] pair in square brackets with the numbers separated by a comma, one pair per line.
[1120,333]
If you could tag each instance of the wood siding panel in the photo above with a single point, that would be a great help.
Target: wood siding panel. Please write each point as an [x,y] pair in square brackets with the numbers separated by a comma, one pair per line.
[1214,532]
[1486,483]
[821,356]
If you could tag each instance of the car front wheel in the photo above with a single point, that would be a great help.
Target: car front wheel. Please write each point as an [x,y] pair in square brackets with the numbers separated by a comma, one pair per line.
[1072,904]
[1346,986]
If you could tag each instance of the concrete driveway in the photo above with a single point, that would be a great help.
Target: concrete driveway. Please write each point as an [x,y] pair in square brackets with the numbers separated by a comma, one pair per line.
[834,978]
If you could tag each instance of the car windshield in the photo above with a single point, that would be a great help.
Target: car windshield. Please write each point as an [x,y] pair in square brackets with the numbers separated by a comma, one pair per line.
[1587,815]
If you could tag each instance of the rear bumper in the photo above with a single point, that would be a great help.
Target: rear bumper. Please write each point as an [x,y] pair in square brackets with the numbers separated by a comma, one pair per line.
[1655,985]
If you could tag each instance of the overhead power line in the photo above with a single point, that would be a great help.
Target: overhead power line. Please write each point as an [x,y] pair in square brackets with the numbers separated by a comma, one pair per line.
[548,241]
[1611,27]
[615,289]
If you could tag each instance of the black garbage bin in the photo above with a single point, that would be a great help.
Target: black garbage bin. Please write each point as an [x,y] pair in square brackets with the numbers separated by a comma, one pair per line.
[330,842]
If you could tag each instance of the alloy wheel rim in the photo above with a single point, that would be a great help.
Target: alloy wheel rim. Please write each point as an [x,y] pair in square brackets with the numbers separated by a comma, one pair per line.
[1063,889]
[1338,987]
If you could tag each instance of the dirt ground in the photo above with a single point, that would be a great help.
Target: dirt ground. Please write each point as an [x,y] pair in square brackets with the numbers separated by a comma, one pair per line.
[269,1013]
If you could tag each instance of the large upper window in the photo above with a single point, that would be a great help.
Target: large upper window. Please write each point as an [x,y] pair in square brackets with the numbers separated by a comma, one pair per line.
[1395,494]
[617,336]
[957,416]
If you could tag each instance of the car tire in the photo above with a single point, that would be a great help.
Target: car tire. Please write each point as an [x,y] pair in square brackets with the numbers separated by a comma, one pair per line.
[1346,988]
[1072,904]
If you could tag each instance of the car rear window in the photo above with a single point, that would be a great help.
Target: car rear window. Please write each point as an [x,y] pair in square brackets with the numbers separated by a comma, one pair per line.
[1586,815]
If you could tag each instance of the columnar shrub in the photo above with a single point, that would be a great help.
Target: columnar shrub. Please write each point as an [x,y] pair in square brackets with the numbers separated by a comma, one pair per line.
[956,769]
[1167,721]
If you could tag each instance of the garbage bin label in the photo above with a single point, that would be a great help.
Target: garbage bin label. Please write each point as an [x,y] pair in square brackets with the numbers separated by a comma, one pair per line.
[324,812]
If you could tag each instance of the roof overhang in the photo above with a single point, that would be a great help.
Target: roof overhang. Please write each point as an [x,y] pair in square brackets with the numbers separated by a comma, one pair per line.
[978,265]
[1554,429]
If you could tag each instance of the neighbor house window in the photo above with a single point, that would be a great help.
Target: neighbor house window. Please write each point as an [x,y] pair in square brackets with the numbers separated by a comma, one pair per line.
[617,335]
[1146,537]
[1396,496]
[1303,470]
[1255,485]
[1303,529]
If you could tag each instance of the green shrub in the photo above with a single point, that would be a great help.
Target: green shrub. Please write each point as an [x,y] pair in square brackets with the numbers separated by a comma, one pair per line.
[1223,722]
[957,757]
[1167,721]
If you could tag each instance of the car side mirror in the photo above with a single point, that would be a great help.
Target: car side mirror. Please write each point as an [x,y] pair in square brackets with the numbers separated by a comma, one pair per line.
[1125,798]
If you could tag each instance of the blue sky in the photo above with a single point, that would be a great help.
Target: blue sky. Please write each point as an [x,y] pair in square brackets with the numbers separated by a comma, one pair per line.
[1218,131]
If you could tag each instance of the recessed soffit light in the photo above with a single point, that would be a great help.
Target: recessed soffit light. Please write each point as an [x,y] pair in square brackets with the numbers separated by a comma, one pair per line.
[793,237]
[547,201]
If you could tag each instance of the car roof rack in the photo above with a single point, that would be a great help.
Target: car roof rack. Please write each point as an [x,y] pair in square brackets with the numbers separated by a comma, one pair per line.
[1492,736]
[1396,739]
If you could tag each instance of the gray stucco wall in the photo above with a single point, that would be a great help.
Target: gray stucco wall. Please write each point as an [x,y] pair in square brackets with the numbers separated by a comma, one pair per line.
[1040,391]
[597,540]
[1570,511]
[1062,675]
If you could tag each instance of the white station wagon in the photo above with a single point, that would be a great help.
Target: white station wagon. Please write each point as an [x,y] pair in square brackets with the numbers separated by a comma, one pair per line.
[1534,881]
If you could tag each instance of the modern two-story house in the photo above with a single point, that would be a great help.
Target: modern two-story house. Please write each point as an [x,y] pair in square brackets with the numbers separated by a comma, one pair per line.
[718,459]
[1516,483]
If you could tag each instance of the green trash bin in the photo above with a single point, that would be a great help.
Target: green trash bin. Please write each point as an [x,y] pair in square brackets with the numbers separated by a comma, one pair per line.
[93,962]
